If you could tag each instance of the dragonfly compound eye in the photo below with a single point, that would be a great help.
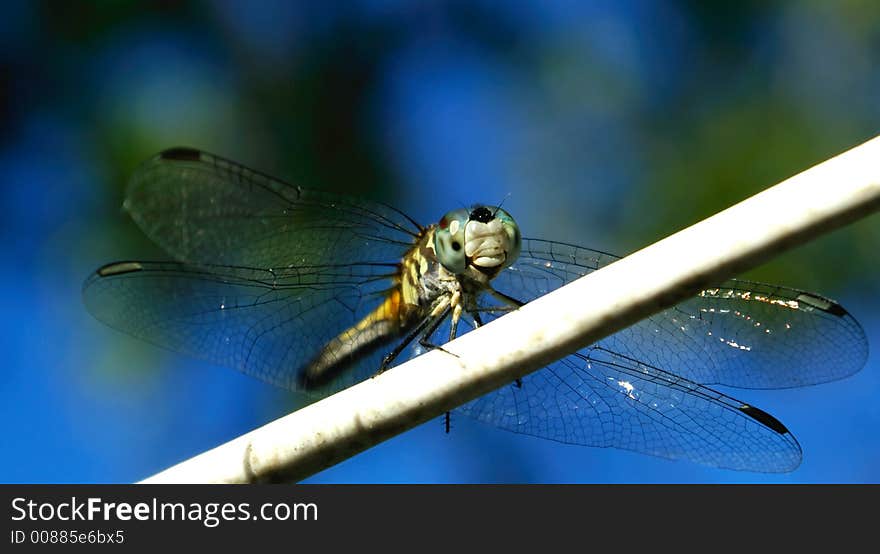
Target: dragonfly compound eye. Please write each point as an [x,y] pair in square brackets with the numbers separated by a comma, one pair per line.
[449,241]
[511,229]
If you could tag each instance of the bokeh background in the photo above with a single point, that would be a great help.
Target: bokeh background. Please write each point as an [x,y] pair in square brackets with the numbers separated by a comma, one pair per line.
[608,124]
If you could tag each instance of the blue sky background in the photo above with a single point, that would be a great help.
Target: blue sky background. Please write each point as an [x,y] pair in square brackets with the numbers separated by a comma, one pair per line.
[607,124]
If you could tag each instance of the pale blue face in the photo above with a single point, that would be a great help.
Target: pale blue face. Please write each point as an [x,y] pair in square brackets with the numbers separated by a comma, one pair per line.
[485,237]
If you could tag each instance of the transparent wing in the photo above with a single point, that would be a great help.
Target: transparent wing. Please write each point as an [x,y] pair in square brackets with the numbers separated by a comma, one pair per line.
[599,398]
[268,273]
[265,323]
[204,209]
[740,334]
[642,389]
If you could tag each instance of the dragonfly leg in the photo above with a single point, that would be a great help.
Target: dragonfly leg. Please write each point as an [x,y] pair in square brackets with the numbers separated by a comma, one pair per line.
[434,325]
[478,320]
[509,300]
[391,356]
[430,323]
[456,315]
[453,330]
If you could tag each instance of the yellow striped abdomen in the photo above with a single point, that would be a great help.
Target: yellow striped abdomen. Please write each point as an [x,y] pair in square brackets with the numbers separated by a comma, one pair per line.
[399,312]
[387,322]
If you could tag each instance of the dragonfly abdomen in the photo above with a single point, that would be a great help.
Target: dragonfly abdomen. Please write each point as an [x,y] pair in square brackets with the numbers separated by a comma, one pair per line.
[380,327]
[408,302]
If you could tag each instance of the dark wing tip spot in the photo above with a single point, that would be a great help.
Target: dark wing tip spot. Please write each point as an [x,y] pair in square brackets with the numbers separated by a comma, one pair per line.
[119,268]
[764,418]
[827,306]
[181,154]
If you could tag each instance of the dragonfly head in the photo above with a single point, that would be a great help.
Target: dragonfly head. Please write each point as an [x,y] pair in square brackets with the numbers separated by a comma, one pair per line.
[484,237]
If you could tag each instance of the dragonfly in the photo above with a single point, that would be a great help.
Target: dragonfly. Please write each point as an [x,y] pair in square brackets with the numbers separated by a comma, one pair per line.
[314,292]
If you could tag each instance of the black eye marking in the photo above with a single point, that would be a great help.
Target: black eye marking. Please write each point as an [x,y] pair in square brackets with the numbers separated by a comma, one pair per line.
[482,214]
[456,246]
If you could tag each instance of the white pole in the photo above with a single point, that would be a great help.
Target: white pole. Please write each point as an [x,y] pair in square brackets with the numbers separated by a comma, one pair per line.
[827,196]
